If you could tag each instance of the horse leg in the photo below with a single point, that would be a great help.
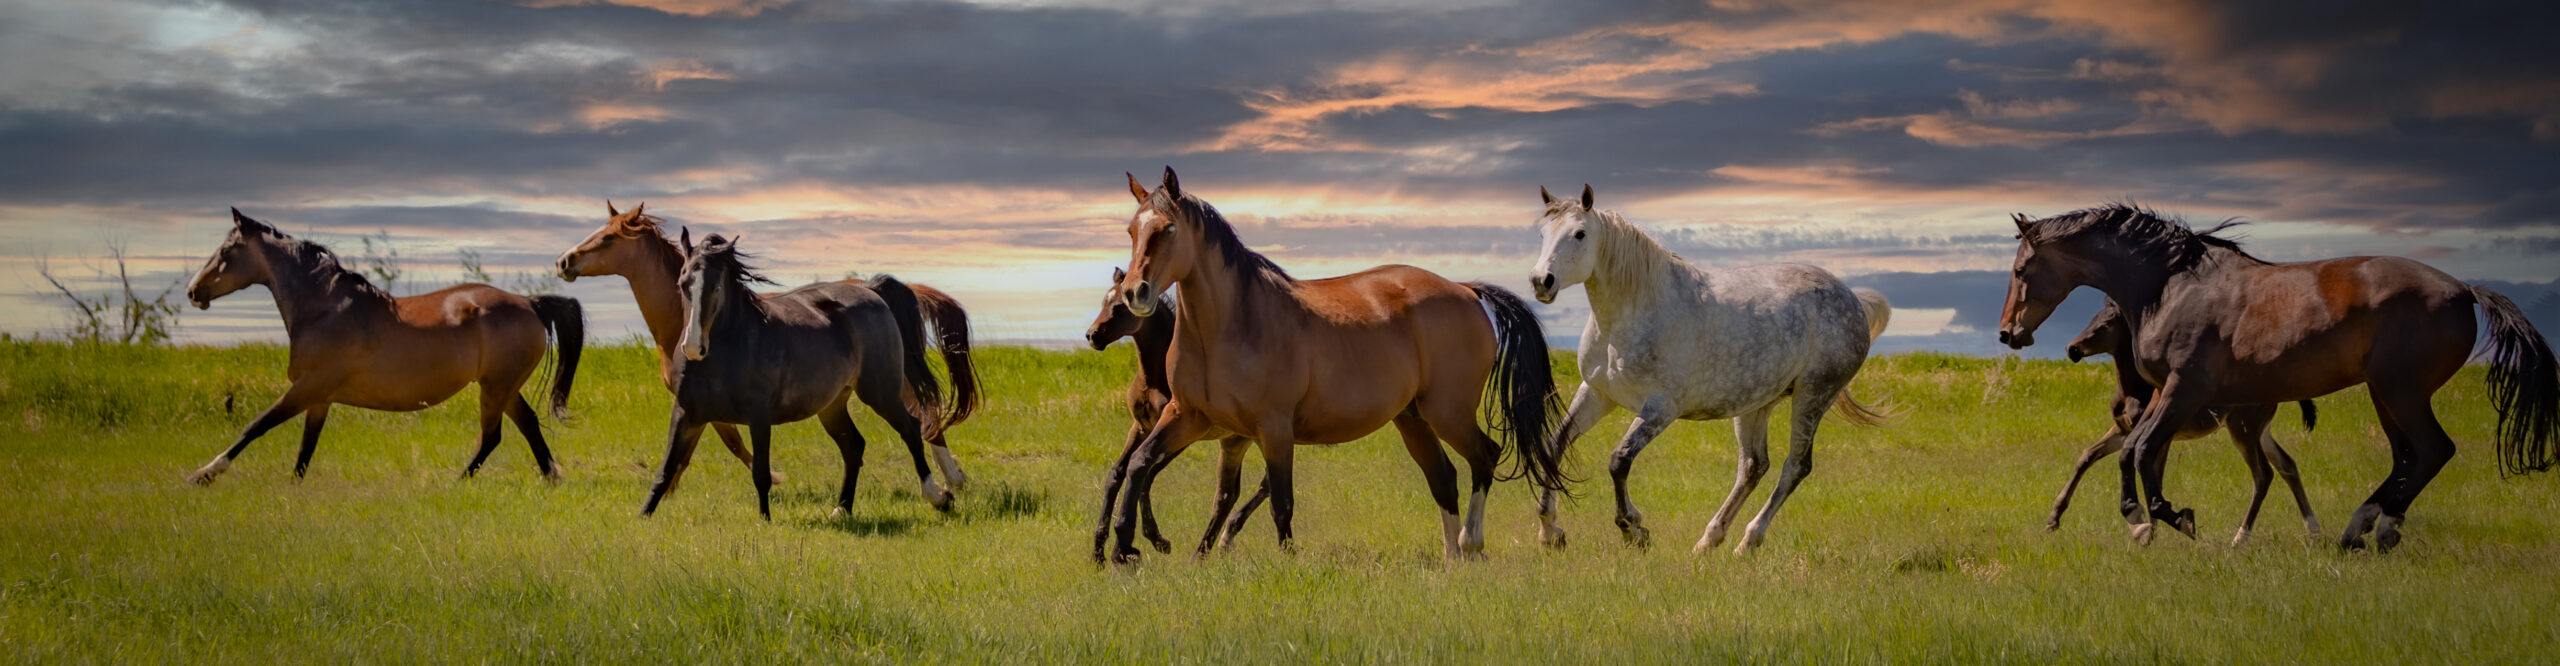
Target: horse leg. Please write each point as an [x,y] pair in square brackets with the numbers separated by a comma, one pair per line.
[1808,419]
[531,426]
[760,436]
[1111,479]
[737,445]
[312,420]
[952,476]
[1585,413]
[849,445]
[2106,445]
[1174,427]
[682,434]
[1279,445]
[2176,404]
[2248,428]
[1648,424]
[493,414]
[296,400]
[887,398]
[1751,435]
[2283,464]
[1261,493]
[1437,473]
[2419,453]
[1230,468]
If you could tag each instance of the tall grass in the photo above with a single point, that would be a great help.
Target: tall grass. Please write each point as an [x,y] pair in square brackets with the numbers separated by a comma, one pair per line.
[1919,541]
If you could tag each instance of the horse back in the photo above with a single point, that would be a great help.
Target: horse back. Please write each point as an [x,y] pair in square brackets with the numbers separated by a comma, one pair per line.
[2322,322]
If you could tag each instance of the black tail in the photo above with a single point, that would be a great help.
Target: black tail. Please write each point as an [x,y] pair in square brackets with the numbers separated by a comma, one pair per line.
[568,324]
[2524,384]
[1521,400]
[951,330]
[2310,415]
[928,393]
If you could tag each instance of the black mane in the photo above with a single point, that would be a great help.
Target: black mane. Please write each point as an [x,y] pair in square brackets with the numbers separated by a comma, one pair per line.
[2140,231]
[714,250]
[322,266]
[1221,234]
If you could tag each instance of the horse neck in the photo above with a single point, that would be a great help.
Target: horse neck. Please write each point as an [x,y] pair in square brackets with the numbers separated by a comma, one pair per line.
[1632,275]
[1154,338]
[653,284]
[1217,292]
[300,297]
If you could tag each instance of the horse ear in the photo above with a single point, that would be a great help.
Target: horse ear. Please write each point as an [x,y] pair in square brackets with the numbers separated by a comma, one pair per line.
[1172,188]
[2021,219]
[734,238]
[635,210]
[684,238]
[1544,197]
[609,211]
[237,219]
[1586,195]
[1135,189]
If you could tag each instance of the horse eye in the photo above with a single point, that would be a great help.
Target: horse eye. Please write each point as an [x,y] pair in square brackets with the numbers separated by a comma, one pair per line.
[1577,234]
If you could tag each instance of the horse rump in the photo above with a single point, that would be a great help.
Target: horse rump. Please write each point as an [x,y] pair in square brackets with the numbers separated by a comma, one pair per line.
[567,322]
[920,382]
[2524,385]
[1521,401]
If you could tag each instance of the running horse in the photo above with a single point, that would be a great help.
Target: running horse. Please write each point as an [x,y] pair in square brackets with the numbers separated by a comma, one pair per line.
[634,246]
[1674,341]
[352,343]
[2105,334]
[1266,356]
[2214,327]
[760,360]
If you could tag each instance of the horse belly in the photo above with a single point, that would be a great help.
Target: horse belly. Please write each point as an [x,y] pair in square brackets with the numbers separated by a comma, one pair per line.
[397,392]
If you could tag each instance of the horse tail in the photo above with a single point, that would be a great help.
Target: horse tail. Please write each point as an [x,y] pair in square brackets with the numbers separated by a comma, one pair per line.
[2524,384]
[927,406]
[2310,415]
[1862,414]
[951,331]
[1879,311]
[568,324]
[1522,397]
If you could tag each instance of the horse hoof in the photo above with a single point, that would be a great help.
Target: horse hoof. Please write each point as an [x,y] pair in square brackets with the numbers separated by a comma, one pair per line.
[202,477]
[551,478]
[1553,539]
[2142,534]
[2351,542]
[2054,525]
[2185,522]
[941,502]
[1162,546]
[2385,540]
[1126,557]
[2240,539]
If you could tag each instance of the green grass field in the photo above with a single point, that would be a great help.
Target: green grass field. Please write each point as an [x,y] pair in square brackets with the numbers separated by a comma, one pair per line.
[1923,540]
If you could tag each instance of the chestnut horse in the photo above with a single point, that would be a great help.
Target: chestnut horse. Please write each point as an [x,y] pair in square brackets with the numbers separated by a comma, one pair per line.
[1149,392]
[761,360]
[632,245]
[2212,326]
[2248,424]
[351,343]
[1279,360]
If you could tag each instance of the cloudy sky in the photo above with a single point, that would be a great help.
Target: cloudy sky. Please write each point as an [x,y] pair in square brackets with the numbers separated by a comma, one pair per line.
[979,146]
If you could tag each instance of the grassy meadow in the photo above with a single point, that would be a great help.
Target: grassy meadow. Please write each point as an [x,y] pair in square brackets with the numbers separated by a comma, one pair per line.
[1923,540]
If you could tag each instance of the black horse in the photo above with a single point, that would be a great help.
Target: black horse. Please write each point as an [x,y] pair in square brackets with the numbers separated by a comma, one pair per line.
[758,360]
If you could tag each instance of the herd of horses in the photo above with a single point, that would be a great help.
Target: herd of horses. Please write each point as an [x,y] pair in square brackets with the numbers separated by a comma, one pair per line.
[1233,348]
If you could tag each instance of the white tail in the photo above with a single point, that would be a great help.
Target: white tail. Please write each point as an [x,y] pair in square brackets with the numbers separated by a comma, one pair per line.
[1879,311]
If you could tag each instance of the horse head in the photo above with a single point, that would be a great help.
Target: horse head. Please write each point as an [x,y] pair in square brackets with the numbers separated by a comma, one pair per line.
[2103,335]
[1116,320]
[623,242]
[1164,246]
[714,276]
[1565,249]
[236,264]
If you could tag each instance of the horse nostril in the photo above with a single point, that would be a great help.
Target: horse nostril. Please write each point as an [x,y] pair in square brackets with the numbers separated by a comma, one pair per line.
[2004,337]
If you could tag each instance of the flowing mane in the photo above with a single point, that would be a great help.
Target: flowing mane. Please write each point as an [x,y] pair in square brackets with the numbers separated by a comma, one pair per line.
[637,225]
[317,265]
[1221,234]
[1627,255]
[2144,233]
[722,251]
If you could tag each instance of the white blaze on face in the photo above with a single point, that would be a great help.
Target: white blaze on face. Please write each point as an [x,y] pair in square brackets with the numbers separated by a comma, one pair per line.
[697,328]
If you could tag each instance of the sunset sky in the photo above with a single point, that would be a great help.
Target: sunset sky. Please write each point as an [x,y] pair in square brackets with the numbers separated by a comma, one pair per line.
[979,146]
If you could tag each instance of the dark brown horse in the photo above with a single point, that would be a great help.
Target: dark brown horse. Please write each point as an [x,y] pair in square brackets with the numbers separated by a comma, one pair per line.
[632,245]
[353,344]
[761,360]
[1149,392]
[2212,326]
[1279,360]
[2248,424]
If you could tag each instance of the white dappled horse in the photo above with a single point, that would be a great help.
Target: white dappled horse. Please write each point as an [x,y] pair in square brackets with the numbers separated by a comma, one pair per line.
[1675,341]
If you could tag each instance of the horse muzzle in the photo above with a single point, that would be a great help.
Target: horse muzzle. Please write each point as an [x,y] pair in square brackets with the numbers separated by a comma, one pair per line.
[2019,340]
[1543,287]
[567,274]
[1141,299]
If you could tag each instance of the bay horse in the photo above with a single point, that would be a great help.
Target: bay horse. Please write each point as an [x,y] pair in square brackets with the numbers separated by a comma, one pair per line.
[1279,360]
[1675,341]
[634,246]
[764,359]
[2105,334]
[2212,326]
[1149,392]
[351,343]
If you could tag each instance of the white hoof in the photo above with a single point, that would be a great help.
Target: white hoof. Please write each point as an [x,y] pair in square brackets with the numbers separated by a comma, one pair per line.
[206,474]
[2240,539]
[2142,534]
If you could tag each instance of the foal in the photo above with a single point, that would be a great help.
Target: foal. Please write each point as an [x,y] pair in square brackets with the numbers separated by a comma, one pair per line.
[2248,424]
[352,343]
[1149,392]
